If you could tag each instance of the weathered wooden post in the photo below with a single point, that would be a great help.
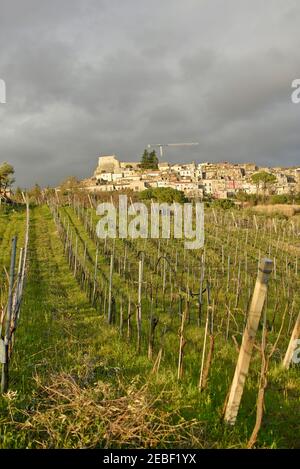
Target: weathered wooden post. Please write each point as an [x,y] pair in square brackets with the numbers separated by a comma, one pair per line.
[76,255]
[292,344]
[70,249]
[5,343]
[182,344]
[121,318]
[125,257]
[95,275]
[242,366]
[228,273]
[139,308]
[215,216]
[90,201]
[17,293]
[84,253]
[110,288]
[208,328]
[153,324]
[238,286]
[227,321]
[164,277]
[222,254]
[17,297]
[200,289]
[129,320]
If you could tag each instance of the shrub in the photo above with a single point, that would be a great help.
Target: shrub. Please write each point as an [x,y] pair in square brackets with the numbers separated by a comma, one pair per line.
[163,194]
[224,204]
[279,199]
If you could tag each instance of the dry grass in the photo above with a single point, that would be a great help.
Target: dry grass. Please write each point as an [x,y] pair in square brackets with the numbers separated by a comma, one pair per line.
[283,209]
[70,416]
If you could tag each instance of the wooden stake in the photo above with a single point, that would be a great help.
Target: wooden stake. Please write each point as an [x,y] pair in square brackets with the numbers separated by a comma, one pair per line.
[203,351]
[182,343]
[139,308]
[121,318]
[292,344]
[153,324]
[95,274]
[243,362]
[129,320]
[110,288]
[200,289]
[6,342]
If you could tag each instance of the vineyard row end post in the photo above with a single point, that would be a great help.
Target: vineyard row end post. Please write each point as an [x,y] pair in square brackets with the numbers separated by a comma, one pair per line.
[242,366]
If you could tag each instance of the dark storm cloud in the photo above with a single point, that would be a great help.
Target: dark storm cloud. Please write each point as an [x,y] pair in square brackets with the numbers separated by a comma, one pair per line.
[86,77]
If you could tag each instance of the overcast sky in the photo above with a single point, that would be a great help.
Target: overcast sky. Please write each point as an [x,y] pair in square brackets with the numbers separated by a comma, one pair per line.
[91,77]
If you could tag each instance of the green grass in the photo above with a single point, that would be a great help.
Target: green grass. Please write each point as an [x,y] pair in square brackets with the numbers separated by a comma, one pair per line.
[60,333]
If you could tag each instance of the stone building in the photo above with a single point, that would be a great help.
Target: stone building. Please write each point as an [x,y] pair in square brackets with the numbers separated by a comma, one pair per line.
[107,164]
[110,168]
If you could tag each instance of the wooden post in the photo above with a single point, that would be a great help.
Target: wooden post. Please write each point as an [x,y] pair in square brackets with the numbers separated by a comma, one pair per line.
[227,321]
[228,273]
[153,324]
[200,289]
[238,286]
[90,201]
[292,344]
[121,318]
[5,357]
[182,343]
[75,257]
[215,216]
[110,288]
[17,293]
[124,263]
[139,308]
[128,320]
[222,254]
[164,277]
[84,254]
[242,366]
[95,273]
[208,326]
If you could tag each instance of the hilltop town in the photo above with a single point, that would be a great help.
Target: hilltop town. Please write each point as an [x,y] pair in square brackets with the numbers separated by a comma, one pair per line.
[218,180]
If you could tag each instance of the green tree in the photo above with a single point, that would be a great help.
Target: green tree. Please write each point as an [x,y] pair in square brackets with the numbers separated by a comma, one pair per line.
[6,177]
[149,160]
[153,160]
[264,180]
[145,160]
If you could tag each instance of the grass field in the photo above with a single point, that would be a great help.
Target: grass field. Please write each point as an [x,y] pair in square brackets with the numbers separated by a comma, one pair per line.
[76,381]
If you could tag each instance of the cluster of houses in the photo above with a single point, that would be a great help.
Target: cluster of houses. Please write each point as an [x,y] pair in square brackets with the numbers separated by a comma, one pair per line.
[219,180]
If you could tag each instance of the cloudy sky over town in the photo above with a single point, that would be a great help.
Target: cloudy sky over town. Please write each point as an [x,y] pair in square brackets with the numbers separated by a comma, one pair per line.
[91,77]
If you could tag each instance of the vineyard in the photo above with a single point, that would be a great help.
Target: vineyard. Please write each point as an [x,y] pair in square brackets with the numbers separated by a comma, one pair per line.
[134,343]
